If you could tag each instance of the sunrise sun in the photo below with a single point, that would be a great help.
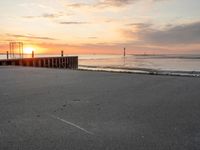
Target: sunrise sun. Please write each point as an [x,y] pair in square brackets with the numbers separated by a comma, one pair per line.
[28,50]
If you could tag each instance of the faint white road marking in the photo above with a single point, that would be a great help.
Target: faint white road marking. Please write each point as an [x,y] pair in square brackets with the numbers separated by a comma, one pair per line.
[72,124]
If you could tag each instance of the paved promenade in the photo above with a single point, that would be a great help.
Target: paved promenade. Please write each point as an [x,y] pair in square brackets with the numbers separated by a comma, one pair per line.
[57,109]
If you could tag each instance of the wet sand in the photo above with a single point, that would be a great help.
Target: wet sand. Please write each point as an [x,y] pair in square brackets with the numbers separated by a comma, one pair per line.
[49,109]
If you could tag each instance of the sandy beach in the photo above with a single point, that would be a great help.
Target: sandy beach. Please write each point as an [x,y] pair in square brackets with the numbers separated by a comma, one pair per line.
[57,109]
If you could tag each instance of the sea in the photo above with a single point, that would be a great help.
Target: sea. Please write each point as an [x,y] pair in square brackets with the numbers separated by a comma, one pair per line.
[181,65]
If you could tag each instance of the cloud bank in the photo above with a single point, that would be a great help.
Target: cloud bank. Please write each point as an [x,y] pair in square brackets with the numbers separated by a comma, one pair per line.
[177,34]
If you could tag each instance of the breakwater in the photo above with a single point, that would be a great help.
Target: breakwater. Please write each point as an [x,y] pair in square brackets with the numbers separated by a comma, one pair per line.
[69,62]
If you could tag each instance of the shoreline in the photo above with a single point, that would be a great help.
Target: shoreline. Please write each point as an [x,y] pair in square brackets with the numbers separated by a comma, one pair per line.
[140,71]
[123,71]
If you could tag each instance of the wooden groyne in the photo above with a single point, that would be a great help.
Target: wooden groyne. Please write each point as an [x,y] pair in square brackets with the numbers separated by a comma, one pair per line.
[69,62]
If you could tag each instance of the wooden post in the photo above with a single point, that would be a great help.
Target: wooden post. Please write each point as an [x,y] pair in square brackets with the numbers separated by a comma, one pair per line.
[65,62]
[70,63]
[59,62]
[62,53]
[44,62]
[76,62]
[7,55]
[53,65]
[32,54]
[34,63]
[48,61]
[39,63]
[20,62]
[56,63]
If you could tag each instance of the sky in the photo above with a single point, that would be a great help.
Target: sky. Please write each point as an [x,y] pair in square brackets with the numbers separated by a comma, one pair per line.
[102,26]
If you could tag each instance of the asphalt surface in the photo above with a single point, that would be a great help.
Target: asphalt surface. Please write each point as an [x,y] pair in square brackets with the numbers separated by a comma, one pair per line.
[55,109]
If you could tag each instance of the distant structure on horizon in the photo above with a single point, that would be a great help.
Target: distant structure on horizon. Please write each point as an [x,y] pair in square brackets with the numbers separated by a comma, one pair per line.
[16,50]
[124,51]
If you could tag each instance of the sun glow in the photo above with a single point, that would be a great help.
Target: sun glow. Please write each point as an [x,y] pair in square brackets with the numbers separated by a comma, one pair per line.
[28,50]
